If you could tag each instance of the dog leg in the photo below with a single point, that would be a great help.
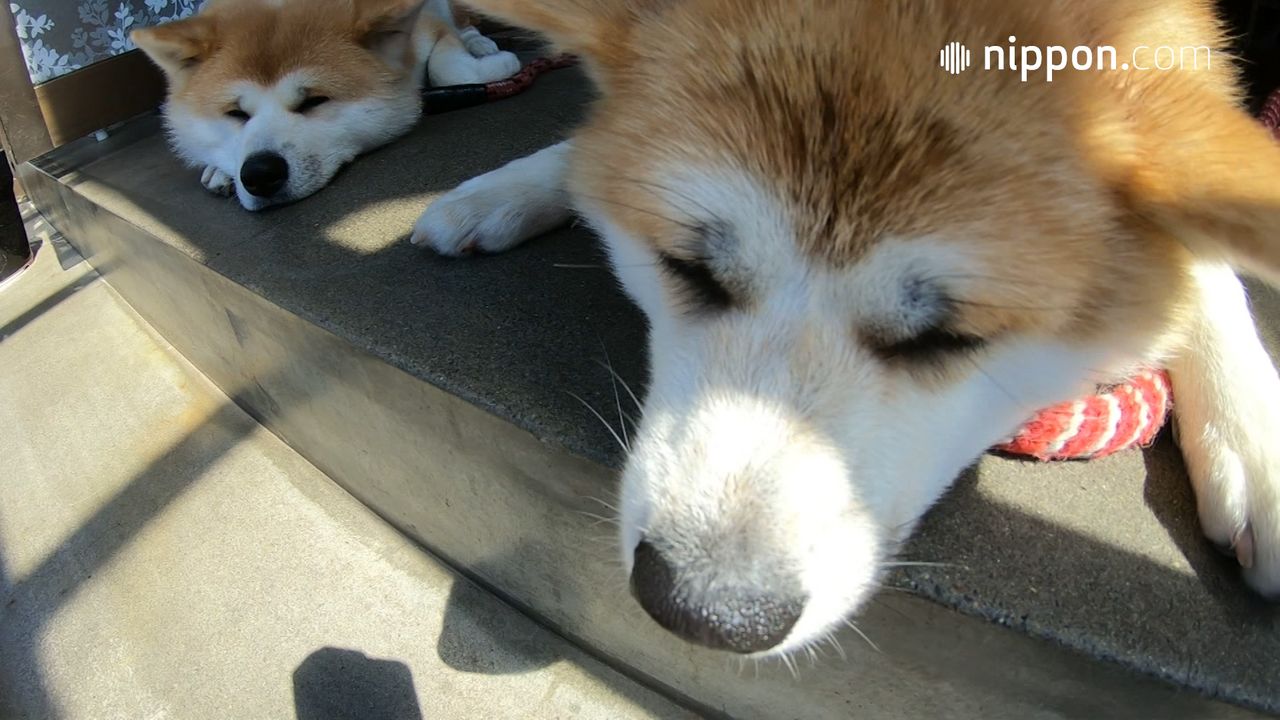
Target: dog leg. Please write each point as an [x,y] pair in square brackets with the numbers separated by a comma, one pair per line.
[499,209]
[452,63]
[464,19]
[477,44]
[217,182]
[1227,408]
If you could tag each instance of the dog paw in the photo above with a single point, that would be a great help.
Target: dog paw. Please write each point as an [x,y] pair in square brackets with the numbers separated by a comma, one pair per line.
[217,182]
[498,66]
[476,44]
[497,210]
[473,218]
[1234,462]
[459,68]
[1227,421]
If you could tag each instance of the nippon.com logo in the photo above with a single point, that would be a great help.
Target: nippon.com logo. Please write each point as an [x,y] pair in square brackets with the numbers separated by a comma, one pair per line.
[1029,60]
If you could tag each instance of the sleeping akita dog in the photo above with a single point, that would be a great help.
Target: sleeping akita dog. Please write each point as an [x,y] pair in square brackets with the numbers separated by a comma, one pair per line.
[270,98]
[861,271]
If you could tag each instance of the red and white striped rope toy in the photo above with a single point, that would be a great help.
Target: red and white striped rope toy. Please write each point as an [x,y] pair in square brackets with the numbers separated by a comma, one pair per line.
[1118,417]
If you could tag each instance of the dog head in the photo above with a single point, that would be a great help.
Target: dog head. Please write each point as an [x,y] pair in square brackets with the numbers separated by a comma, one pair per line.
[279,96]
[861,271]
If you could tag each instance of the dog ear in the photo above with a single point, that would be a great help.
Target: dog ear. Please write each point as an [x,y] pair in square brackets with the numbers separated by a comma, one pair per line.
[385,28]
[178,46]
[594,29]
[1210,177]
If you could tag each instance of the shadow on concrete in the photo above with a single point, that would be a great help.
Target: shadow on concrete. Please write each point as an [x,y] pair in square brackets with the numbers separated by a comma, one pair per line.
[53,300]
[483,635]
[28,604]
[1099,599]
[337,684]
[22,688]
[1172,501]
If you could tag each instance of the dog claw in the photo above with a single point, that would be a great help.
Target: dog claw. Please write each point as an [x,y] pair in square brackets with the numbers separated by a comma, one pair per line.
[1243,545]
[217,182]
[1240,548]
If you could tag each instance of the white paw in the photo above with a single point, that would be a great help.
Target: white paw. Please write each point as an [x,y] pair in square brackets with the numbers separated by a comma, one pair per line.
[497,210]
[459,68]
[477,44]
[1226,396]
[498,66]
[217,182]
[1233,456]
[478,217]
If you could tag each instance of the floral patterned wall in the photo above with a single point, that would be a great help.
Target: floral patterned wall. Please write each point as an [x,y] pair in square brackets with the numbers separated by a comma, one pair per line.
[59,36]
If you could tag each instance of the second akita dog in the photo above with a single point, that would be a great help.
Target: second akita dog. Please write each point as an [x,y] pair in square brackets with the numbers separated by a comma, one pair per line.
[270,99]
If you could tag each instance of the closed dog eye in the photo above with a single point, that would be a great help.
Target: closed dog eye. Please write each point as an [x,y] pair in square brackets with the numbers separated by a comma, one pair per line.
[697,276]
[932,345]
[311,102]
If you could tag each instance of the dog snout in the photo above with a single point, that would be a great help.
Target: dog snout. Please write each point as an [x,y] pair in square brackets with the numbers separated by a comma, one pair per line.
[264,174]
[712,613]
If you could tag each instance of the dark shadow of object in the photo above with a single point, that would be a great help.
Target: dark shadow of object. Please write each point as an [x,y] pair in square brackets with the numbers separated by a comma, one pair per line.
[487,633]
[15,251]
[483,635]
[336,684]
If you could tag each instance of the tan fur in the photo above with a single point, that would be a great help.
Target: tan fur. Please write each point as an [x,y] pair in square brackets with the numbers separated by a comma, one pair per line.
[1071,190]
[204,55]
[305,86]
[463,15]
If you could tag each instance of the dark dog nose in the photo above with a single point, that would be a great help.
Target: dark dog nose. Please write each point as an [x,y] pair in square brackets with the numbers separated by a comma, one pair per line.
[263,174]
[714,614]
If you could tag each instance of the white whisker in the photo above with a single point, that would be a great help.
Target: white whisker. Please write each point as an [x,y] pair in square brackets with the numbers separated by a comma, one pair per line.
[598,500]
[853,626]
[835,643]
[600,417]
[791,665]
[891,588]
[619,378]
[617,400]
[599,519]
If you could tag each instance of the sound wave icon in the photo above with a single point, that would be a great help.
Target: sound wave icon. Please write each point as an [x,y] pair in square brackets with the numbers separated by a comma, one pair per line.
[955,58]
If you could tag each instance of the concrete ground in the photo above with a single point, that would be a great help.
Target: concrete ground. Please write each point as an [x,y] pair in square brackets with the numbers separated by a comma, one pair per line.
[163,556]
